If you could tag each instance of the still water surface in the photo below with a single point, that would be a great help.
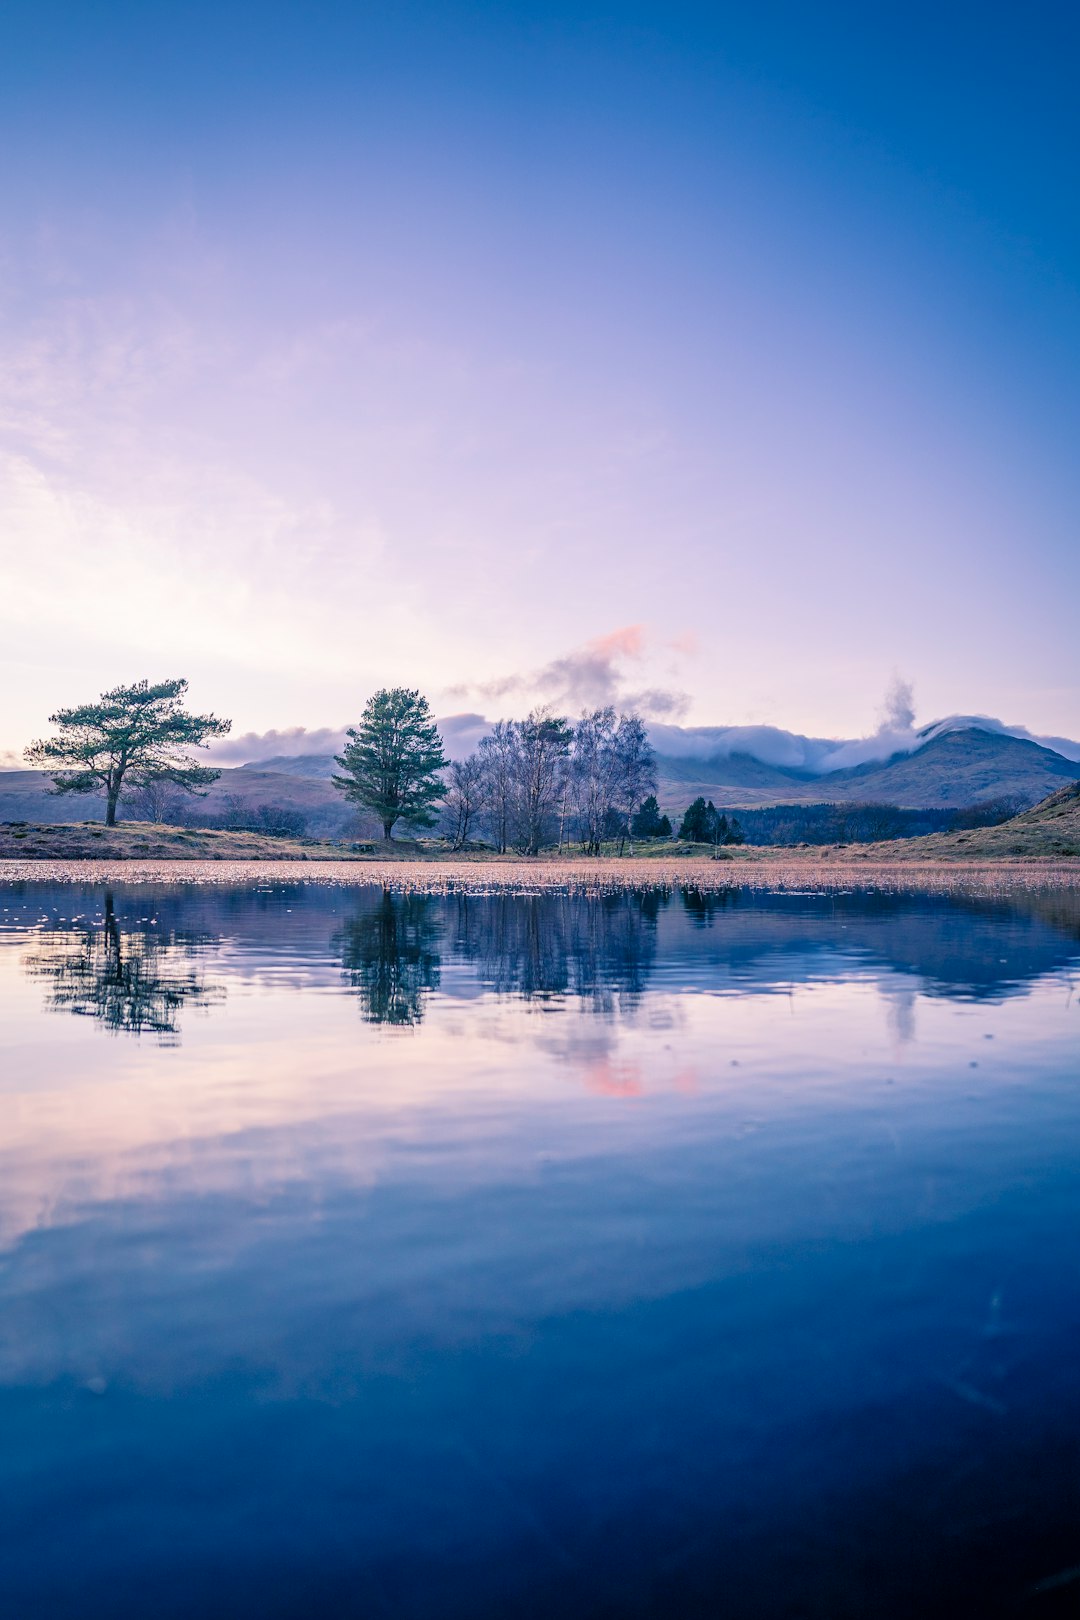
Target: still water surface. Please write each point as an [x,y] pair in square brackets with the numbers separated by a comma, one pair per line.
[660,1254]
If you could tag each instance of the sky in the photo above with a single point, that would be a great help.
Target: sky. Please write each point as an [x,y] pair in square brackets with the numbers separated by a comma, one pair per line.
[723,360]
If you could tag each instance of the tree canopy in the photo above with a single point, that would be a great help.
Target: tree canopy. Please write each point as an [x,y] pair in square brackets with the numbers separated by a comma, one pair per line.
[536,780]
[648,822]
[543,742]
[130,737]
[705,824]
[392,760]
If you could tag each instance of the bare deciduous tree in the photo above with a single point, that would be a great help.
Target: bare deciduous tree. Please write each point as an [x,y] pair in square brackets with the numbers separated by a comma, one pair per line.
[464,796]
[593,775]
[636,769]
[542,743]
[497,754]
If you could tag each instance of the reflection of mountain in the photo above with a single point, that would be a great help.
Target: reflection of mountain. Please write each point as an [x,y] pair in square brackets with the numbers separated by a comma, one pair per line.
[389,949]
[960,946]
[130,980]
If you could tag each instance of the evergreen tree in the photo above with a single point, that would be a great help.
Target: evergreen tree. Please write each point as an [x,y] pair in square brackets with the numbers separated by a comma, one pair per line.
[696,826]
[663,827]
[392,760]
[130,738]
[648,823]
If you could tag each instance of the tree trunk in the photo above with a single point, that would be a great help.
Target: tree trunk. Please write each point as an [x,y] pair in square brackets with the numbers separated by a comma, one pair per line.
[388,828]
[110,804]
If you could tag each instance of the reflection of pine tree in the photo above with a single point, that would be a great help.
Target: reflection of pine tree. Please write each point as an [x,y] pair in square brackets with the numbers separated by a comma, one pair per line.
[390,953]
[129,980]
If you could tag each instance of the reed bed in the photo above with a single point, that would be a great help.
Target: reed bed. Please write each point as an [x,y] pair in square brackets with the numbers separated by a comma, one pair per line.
[597,877]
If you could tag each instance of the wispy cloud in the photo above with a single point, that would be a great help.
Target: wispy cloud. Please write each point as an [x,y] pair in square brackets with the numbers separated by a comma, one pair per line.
[606,670]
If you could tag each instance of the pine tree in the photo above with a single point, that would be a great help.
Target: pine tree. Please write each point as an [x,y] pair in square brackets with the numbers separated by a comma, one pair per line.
[130,738]
[648,822]
[392,761]
[696,825]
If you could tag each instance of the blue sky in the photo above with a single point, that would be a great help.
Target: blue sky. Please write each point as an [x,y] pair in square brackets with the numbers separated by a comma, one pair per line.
[353,345]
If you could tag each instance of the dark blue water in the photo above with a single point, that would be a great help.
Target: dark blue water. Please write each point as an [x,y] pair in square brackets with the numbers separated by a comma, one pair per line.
[664,1254]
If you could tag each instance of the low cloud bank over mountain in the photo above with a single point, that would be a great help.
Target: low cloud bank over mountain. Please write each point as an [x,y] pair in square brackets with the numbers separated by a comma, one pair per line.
[627,670]
[770,745]
[255,747]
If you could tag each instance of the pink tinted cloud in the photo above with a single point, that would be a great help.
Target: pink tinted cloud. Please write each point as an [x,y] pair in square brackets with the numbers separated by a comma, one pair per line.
[592,675]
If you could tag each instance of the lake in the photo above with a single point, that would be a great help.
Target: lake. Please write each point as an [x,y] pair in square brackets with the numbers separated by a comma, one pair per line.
[656,1252]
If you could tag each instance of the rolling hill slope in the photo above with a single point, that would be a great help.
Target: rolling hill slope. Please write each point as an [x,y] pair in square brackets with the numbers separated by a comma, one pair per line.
[1050,829]
[24,796]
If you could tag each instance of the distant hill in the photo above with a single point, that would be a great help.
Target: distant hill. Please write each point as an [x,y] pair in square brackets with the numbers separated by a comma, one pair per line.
[958,768]
[750,780]
[320,765]
[24,796]
[952,768]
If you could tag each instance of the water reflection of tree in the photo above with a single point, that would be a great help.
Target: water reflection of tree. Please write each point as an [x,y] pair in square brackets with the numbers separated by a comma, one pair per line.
[134,981]
[702,905]
[390,952]
[545,946]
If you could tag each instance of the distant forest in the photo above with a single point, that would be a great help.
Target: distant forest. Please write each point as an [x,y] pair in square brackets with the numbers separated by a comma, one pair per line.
[774,824]
[864,823]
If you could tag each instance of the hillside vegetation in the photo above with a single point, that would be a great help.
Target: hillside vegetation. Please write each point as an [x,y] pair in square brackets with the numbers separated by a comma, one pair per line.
[1050,829]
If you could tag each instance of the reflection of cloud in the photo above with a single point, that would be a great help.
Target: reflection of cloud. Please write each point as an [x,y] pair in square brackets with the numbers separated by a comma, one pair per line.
[590,1053]
[613,1079]
[900,1012]
[581,1043]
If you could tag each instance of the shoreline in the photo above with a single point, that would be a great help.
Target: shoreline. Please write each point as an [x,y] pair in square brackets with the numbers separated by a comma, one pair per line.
[781,872]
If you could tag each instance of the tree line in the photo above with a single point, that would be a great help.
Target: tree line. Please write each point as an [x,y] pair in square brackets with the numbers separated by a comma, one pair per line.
[530,783]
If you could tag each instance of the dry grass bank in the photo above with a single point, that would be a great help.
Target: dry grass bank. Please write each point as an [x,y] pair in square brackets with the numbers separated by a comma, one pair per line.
[780,870]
